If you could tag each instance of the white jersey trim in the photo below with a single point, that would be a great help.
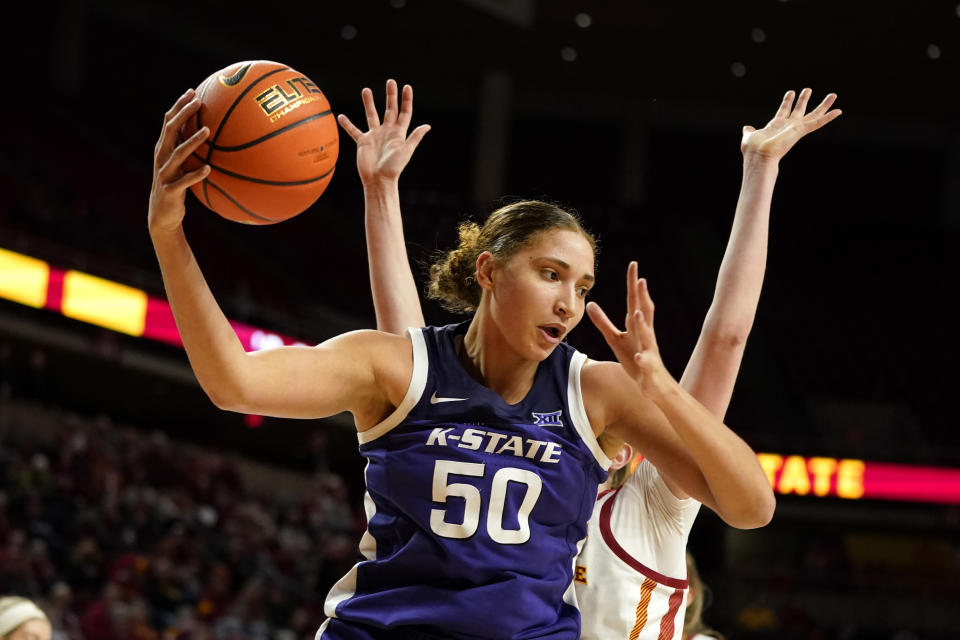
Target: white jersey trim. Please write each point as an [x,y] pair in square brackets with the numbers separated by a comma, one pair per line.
[579,412]
[368,544]
[322,628]
[346,587]
[418,381]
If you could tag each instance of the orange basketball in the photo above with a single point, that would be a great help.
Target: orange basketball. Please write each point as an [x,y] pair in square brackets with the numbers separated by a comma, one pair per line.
[272,146]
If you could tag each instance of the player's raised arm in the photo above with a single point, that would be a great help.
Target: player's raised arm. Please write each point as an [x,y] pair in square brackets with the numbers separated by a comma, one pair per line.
[712,370]
[299,382]
[713,366]
[637,400]
[382,153]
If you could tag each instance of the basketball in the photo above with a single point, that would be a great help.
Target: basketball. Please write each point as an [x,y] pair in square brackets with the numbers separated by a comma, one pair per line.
[272,146]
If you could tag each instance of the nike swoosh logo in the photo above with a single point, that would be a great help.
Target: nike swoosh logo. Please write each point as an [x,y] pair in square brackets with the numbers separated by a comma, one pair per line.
[434,399]
[237,76]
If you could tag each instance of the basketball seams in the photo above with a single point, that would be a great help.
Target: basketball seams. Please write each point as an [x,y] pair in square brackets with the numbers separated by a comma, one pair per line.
[236,101]
[212,141]
[233,201]
[253,143]
[272,183]
[228,108]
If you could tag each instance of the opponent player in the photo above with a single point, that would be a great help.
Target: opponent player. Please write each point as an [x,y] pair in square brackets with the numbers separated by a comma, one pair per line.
[480,438]
[637,538]
[638,534]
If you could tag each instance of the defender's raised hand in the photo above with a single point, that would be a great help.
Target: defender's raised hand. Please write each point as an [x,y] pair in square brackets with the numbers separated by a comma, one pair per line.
[384,150]
[170,182]
[636,348]
[788,125]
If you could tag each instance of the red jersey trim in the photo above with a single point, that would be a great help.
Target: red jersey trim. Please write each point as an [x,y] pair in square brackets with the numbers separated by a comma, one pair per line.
[621,553]
[667,622]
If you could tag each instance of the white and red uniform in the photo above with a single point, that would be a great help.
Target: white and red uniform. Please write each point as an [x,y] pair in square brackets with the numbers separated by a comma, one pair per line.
[631,575]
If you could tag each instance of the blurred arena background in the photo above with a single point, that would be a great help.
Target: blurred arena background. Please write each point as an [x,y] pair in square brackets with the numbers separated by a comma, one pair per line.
[133,508]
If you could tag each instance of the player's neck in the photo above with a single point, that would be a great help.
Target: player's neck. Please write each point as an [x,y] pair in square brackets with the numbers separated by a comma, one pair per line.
[490,360]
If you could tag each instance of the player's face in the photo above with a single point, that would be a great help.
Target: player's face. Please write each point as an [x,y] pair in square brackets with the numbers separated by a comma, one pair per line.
[540,293]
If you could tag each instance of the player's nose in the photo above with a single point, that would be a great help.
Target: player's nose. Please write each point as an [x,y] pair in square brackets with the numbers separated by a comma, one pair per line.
[565,303]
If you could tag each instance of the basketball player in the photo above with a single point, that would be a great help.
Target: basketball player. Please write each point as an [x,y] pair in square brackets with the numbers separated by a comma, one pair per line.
[636,545]
[480,437]
[22,619]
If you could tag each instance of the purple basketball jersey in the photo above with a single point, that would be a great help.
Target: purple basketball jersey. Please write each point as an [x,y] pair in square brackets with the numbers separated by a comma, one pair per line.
[475,507]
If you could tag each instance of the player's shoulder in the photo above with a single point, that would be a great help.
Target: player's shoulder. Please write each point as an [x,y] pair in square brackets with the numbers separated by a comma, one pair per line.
[389,356]
[371,341]
[606,377]
[609,394]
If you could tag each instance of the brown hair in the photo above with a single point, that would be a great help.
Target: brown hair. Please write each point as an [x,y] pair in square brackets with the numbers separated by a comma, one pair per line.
[692,617]
[510,228]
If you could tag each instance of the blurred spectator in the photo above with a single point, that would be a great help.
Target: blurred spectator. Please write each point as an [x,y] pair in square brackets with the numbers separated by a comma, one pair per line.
[132,536]
[6,369]
[15,572]
[22,619]
[37,375]
[59,608]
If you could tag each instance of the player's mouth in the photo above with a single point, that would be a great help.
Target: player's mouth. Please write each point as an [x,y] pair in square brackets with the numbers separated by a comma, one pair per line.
[553,333]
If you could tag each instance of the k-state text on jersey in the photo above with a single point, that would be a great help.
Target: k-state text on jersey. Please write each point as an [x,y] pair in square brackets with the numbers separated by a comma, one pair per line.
[497,443]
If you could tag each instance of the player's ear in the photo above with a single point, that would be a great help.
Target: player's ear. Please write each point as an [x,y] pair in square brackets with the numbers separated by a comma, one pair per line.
[485,265]
[623,457]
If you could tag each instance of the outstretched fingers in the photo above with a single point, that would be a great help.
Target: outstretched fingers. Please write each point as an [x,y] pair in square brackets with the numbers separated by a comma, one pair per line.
[646,302]
[416,136]
[186,106]
[370,109]
[406,107]
[800,108]
[352,130]
[825,104]
[785,105]
[640,317]
[823,114]
[830,116]
[392,109]
[187,180]
[633,297]
[638,336]
[187,96]
[398,110]
[643,330]
[600,320]
[638,294]
[171,167]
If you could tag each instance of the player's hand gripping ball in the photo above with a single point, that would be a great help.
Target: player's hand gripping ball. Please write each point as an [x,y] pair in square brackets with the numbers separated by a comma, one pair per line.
[272,146]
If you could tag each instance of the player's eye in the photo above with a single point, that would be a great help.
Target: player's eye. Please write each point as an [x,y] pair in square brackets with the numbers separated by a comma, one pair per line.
[550,274]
